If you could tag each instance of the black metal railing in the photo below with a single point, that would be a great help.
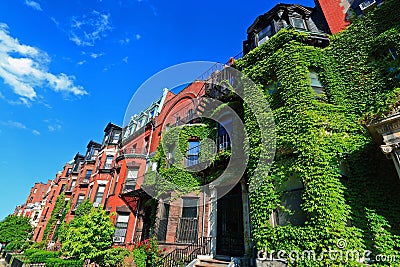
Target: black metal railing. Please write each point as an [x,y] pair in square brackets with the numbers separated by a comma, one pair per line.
[187,230]
[180,256]
[223,142]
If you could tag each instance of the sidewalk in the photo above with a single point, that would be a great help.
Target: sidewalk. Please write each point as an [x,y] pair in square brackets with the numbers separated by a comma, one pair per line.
[3,263]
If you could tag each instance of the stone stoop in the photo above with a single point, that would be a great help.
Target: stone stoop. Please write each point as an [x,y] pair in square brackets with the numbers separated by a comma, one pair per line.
[210,263]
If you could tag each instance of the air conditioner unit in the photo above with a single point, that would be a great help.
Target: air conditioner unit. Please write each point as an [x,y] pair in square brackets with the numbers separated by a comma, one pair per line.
[96,205]
[366,4]
[118,239]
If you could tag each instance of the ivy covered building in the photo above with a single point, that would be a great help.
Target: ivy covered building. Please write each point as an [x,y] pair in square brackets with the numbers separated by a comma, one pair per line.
[333,178]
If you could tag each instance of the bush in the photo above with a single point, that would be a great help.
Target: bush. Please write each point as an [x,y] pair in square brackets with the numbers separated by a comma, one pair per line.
[114,257]
[56,262]
[41,256]
[29,252]
[146,253]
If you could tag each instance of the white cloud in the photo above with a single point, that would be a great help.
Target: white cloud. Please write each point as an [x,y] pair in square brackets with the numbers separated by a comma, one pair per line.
[125,59]
[138,36]
[35,132]
[53,19]
[33,4]
[124,41]
[25,68]
[13,124]
[54,127]
[80,63]
[96,55]
[90,28]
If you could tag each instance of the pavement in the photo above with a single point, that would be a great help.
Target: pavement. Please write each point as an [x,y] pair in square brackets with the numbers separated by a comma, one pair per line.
[3,263]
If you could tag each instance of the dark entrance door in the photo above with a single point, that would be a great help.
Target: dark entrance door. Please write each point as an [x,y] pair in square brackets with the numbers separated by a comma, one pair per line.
[230,239]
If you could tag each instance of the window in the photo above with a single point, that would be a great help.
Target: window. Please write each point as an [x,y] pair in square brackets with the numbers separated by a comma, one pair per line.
[178,121]
[88,174]
[35,190]
[69,171]
[299,23]
[72,185]
[92,153]
[188,223]
[316,84]
[167,127]
[163,223]
[116,138]
[107,164]
[121,227]
[189,209]
[99,194]
[193,153]
[224,141]
[81,198]
[62,188]
[131,178]
[292,191]
[264,34]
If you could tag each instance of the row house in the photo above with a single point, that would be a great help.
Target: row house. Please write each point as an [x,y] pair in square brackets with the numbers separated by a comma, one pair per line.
[283,16]
[57,187]
[133,160]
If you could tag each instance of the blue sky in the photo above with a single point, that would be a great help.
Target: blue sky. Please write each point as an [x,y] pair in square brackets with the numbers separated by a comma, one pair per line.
[67,68]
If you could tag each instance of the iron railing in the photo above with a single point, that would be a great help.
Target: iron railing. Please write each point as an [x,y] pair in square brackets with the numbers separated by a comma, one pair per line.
[223,142]
[187,230]
[133,151]
[181,256]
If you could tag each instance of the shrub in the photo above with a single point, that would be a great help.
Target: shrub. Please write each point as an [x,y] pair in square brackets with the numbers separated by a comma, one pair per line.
[41,256]
[146,253]
[56,262]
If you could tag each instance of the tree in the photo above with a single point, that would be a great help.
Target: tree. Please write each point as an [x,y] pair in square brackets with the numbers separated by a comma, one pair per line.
[87,236]
[15,232]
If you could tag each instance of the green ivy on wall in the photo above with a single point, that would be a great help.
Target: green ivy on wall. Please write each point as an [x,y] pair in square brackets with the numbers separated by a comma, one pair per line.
[351,191]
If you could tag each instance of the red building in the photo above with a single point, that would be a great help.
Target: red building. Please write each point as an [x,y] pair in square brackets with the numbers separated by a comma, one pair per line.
[56,187]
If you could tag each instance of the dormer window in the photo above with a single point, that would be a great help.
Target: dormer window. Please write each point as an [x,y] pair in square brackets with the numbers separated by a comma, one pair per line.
[299,23]
[316,84]
[116,138]
[264,35]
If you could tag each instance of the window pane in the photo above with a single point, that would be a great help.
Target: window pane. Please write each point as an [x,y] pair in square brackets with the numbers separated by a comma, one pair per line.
[298,23]
[123,218]
[132,173]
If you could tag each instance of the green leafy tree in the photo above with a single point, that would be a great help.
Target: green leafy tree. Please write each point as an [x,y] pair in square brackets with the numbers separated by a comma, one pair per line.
[88,235]
[15,232]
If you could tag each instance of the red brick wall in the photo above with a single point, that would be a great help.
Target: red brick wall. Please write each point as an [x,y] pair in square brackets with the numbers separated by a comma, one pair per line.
[335,14]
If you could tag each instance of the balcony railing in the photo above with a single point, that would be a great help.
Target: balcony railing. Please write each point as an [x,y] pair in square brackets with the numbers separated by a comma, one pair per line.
[130,184]
[223,142]
[133,151]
